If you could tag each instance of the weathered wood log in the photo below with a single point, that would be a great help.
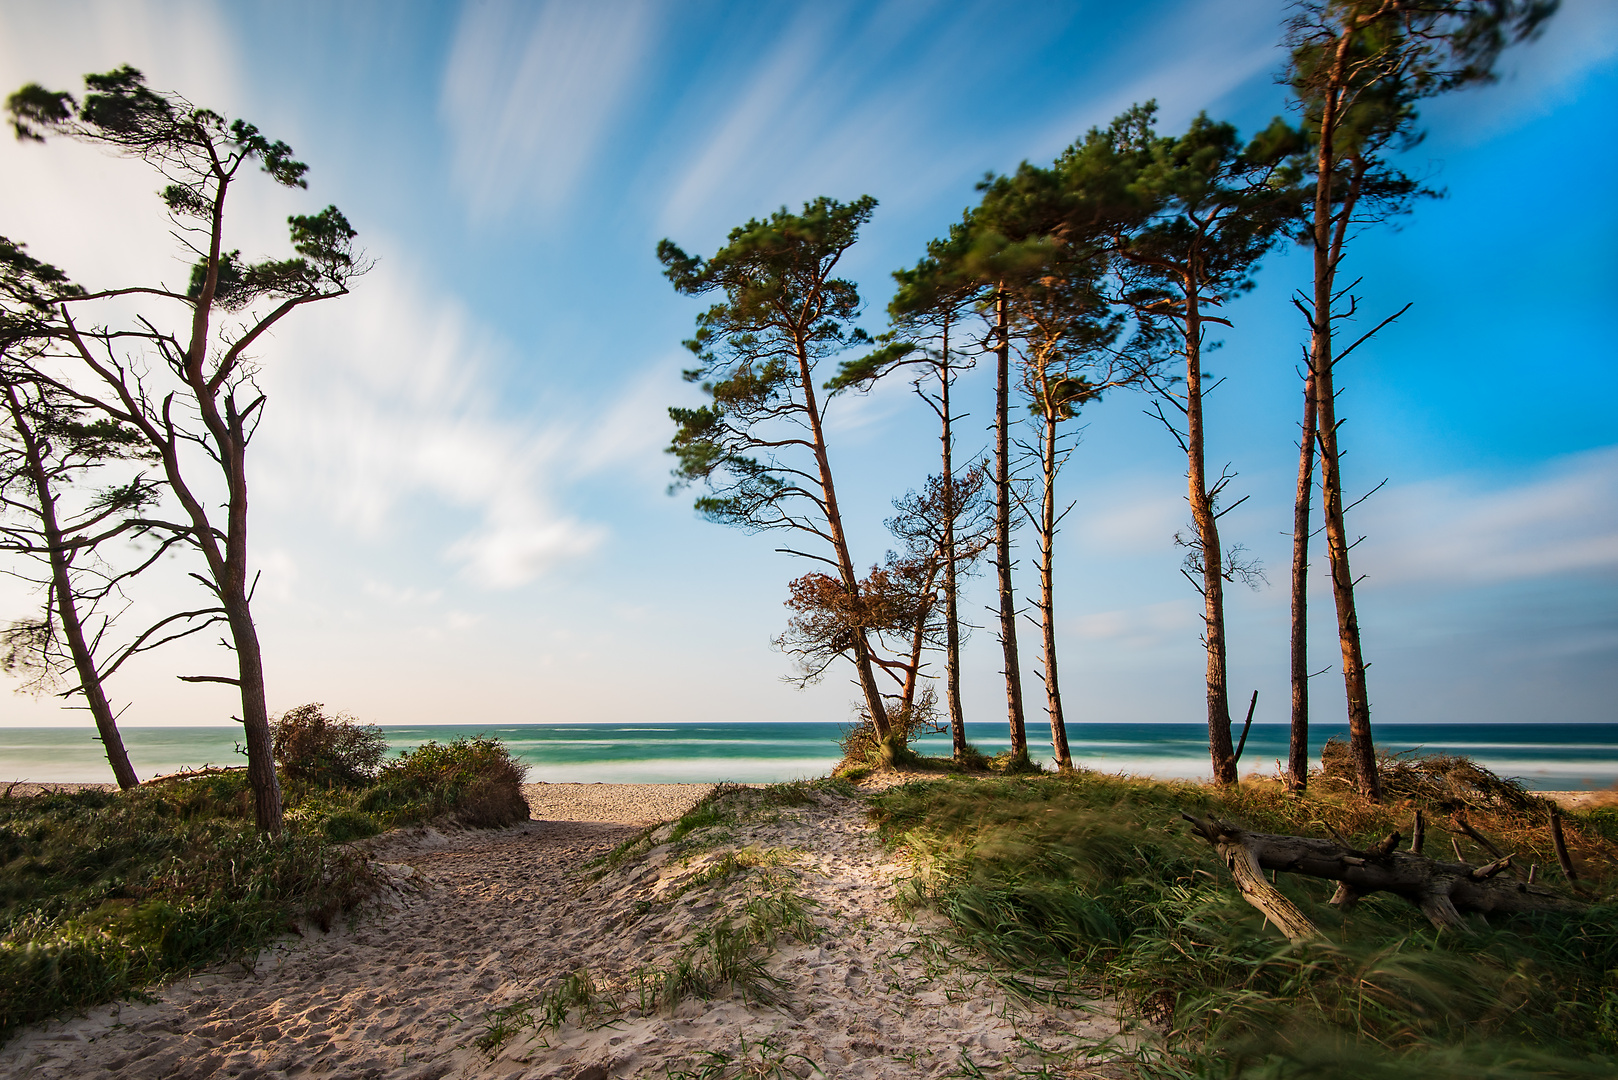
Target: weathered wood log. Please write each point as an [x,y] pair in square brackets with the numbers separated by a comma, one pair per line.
[1560,844]
[1443,890]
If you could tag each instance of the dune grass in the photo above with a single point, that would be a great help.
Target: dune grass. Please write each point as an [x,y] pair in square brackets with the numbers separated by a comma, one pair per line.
[1094,880]
[103,893]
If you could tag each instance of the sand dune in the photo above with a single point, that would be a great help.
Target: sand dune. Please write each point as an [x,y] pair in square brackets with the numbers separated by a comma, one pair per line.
[478,922]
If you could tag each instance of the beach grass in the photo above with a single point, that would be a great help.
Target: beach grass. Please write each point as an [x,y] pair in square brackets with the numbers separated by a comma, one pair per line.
[1093,881]
[103,893]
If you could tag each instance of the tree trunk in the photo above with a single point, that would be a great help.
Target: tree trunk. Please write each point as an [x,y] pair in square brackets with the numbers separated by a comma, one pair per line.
[952,625]
[1443,890]
[1002,485]
[845,564]
[1220,751]
[1298,746]
[1328,244]
[1047,592]
[918,638]
[229,570]
[84,664]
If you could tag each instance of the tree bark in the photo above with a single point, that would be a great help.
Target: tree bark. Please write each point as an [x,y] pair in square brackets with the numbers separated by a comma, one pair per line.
[952,625]
[1220,751]
[84,663]
[1298,745]
[1047,591]
[845,563]
[1329,233]
[1443,890]
[1002,485]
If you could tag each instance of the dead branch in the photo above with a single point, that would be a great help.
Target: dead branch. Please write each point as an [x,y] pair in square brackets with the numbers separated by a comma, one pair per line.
[1443,890]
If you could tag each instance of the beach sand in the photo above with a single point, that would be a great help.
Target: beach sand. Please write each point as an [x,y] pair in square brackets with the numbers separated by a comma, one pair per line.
[474,921]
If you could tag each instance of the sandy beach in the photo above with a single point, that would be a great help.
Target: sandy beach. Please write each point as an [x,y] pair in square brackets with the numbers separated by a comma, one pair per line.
[475,922]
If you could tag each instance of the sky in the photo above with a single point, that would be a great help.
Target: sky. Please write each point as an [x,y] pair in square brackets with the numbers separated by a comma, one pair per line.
[459,491]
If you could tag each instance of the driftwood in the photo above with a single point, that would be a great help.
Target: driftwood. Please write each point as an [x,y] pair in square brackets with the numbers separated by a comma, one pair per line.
[1443,890]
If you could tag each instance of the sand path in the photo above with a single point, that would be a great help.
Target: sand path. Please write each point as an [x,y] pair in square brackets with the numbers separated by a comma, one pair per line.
[479,920]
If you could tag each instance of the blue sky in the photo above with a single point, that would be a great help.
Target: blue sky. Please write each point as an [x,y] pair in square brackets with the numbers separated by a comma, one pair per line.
[459,500]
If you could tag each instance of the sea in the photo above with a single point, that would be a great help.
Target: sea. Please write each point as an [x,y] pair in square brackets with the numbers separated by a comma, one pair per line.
[1544,756]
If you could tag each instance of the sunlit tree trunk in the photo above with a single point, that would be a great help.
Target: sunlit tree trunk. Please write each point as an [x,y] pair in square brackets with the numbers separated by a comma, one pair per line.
[1003,521]
[1047,580]
[845,564]
[1203,515]
[952,615]
[65,602]
[1328,235]
[1298,748]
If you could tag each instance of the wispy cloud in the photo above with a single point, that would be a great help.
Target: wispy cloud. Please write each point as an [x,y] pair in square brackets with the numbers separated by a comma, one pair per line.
[1459,531]
[529,93]
[1195,57]
[392,399]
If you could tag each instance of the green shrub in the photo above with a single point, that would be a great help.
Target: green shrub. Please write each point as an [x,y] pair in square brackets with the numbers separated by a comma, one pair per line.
[474,780]
[331,750]
[348,825]
[862,746]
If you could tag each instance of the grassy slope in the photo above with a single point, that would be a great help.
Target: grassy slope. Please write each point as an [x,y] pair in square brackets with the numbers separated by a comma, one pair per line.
[102,893]
[1096,878]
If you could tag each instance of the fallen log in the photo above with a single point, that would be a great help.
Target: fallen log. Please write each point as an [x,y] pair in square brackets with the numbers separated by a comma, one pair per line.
[1442,890]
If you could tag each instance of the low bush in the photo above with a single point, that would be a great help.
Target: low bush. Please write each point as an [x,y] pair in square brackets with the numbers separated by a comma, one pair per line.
[474,780]
[330,750]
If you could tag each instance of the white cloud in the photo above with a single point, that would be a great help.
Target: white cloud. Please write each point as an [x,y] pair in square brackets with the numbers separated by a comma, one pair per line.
[1459,530]
[528,96]
[1201,53]
[1128,528]
[388,397]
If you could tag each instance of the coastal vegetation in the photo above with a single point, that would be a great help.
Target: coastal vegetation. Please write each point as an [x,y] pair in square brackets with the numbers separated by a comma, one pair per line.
[1086,884]
[104,893]
[1100,272]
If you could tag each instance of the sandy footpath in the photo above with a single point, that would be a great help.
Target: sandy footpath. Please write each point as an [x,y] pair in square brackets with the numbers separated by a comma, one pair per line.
[477,921]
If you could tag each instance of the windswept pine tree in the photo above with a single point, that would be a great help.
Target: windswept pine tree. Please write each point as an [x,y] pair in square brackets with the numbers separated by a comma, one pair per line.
[760,445]
[1190,218]
[200,395]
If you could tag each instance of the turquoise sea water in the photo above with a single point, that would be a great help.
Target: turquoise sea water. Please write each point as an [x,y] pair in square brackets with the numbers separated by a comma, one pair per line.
[1545,756]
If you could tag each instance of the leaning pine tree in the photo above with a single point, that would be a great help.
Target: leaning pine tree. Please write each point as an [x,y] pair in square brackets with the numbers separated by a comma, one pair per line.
[197,392]
[760,444]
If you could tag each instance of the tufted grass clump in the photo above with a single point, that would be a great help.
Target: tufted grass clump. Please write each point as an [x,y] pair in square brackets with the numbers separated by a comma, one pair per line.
[1094,879]
[102,893]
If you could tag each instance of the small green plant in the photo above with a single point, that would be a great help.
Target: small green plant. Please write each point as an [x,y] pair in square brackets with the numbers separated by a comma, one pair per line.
[718,807]
[762,1059]
[348,825]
